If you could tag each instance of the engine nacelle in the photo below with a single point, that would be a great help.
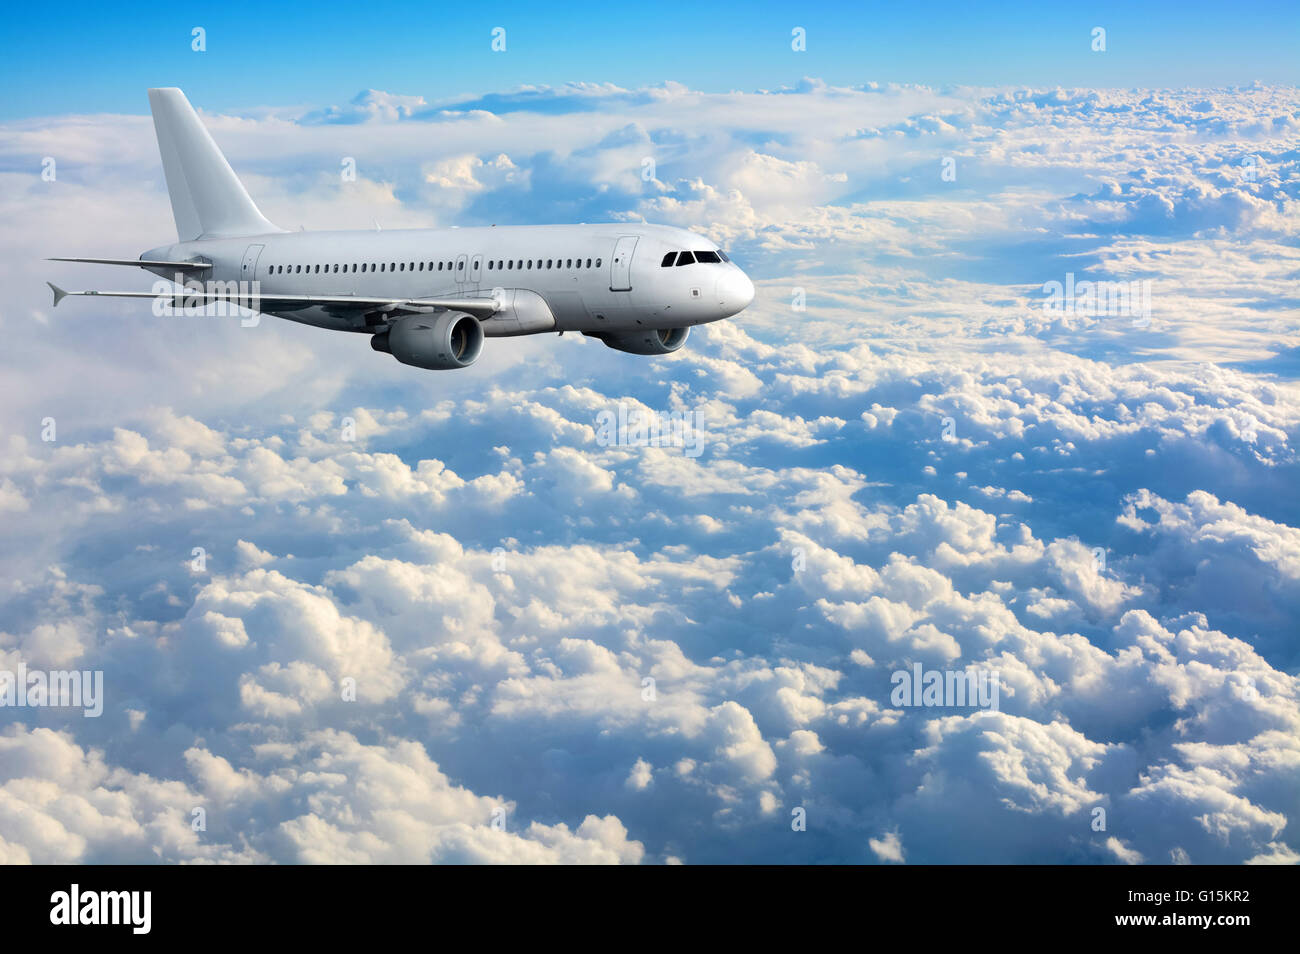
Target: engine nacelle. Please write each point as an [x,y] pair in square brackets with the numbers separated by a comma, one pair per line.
[648,341]
[450,340]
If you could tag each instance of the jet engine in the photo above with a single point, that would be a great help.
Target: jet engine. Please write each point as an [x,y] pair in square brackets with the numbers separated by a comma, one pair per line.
[450,340]
[649,341]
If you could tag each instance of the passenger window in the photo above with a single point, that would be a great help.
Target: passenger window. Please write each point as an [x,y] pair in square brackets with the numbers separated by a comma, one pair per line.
[589,263]
[490,264]
[708,258]
[568,263]
[668,260]
[598,263]
[685,258]
[460,266]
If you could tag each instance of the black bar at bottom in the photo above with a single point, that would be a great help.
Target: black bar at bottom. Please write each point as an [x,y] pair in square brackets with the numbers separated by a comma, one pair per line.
[934,904]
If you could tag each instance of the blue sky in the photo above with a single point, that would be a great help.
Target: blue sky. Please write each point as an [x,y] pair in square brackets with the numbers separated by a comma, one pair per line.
[94,58]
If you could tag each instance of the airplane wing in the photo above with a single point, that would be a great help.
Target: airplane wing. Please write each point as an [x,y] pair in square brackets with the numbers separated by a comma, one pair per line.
[479,307]
[142,263]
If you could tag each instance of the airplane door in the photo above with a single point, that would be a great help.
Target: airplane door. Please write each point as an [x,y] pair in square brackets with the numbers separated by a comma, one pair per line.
[461,276]
[620,266]
[248,272]
[476,269]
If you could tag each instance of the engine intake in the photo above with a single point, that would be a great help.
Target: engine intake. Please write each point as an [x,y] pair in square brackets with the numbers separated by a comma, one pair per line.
[649,341]
[451,340]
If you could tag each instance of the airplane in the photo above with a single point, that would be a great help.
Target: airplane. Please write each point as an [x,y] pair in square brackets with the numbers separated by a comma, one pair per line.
[428,297]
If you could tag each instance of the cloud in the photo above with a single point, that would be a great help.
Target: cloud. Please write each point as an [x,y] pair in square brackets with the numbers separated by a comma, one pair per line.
[361,613]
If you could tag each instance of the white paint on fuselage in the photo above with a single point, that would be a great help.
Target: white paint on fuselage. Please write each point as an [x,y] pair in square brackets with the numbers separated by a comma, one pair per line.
[581,298]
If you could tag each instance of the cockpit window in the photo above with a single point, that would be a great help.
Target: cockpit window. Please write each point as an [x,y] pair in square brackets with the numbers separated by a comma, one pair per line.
[691,258]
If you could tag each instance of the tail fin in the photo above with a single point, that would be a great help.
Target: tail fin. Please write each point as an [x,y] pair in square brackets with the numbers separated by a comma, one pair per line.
[207,197]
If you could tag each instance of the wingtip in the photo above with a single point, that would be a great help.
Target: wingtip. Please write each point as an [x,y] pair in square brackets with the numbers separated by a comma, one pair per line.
[59,293]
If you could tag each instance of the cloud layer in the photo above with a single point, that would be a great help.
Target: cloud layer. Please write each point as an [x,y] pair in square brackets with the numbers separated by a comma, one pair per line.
[433,618]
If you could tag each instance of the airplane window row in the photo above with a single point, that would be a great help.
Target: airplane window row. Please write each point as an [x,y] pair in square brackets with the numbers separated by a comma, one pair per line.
[690,258]
[493,265]
[381,267]
[502,265]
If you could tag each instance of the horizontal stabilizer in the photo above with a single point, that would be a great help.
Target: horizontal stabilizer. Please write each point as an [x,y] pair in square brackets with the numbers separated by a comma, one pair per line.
[141,262]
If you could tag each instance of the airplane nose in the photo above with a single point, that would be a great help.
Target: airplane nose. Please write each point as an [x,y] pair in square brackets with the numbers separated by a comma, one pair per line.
[735,292]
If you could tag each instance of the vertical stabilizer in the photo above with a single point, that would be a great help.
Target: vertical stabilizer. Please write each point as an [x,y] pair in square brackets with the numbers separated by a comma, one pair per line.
[208,199]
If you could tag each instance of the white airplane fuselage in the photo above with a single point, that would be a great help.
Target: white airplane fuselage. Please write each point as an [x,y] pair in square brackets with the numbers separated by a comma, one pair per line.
[590,278]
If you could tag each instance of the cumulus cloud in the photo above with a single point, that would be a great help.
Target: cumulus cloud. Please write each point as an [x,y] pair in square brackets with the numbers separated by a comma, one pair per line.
[462,630]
